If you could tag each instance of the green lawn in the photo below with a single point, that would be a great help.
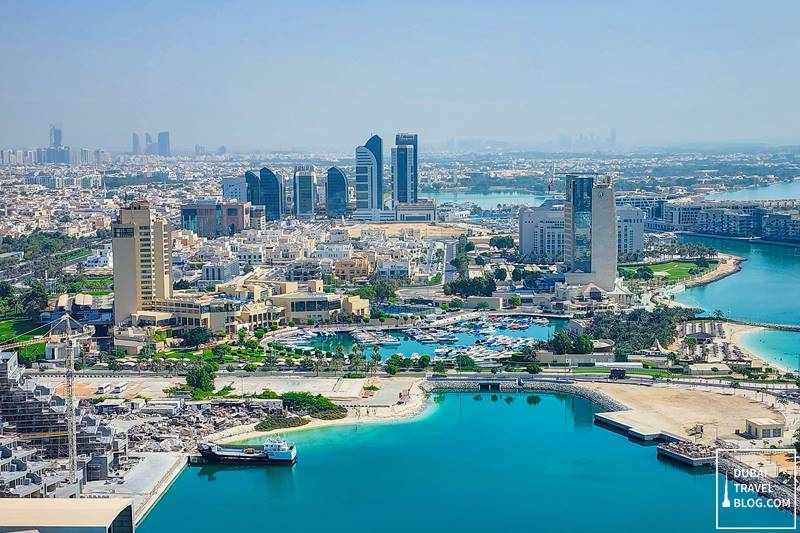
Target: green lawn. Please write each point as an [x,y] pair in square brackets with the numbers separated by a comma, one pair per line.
[76,254]
[670,270]
[12,326]
[100,282]
[99,292]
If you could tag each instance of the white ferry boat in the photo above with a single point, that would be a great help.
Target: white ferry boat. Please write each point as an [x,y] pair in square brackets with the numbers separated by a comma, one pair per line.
[272,451]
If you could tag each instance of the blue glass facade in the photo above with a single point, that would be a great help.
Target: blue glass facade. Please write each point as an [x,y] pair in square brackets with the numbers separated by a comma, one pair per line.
[272,195]
[253,187]
[375,145]
[305,194]
[402,170]
[411,139]
[579,201]
[336,193]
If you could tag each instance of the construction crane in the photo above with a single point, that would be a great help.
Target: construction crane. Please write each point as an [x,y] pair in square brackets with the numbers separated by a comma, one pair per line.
[67,336]
[72,439]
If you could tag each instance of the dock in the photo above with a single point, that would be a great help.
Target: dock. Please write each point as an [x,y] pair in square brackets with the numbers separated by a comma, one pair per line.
[694,455]
[620,420]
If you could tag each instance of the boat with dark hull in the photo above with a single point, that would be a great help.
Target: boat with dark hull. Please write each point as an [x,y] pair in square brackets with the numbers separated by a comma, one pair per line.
[272,451]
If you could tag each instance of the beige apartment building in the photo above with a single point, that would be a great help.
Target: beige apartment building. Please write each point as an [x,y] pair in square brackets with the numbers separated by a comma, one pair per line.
[142,249]
[304,305]
[357,268]
[220,315]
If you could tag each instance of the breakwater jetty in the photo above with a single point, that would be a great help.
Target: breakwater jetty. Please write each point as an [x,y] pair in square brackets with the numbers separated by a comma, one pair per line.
[781,493]
[522,385]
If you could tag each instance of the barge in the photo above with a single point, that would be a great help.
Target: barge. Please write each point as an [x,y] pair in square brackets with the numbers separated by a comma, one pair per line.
[272,451]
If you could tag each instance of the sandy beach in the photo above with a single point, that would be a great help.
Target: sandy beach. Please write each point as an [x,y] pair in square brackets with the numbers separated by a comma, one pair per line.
[415,405]
[736,332]
[728,264]
[668,408]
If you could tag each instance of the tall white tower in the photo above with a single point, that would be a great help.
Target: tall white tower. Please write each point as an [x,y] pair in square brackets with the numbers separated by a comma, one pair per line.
[590,230]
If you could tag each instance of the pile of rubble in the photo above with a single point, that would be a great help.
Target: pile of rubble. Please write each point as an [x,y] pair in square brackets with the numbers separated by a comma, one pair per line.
[182,432]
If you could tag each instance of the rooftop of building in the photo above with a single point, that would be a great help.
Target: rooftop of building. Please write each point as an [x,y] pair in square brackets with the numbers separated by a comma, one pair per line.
[60,512]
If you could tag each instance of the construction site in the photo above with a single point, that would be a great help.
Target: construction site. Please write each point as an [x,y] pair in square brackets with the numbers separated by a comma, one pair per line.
[51,445]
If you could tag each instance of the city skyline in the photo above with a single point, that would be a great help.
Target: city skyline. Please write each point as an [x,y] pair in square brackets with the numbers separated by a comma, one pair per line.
[659,75]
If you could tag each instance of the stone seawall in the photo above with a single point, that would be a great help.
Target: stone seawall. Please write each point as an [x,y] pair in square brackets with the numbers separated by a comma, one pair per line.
[603,400]
[782,494]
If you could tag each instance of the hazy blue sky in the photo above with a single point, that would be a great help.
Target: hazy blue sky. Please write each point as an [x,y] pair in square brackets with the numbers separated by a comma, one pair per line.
[300,74]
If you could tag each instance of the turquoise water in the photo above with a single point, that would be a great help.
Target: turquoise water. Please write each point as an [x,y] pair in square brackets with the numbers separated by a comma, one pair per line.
[465,466]
[778,191]
[781,348]
[766,290]
[409,346]
[486,201]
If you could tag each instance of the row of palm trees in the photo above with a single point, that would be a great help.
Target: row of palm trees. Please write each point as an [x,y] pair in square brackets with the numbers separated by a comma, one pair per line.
[357,358]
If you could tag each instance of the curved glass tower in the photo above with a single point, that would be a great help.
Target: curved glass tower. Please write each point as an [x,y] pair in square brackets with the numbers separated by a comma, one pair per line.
[253,187]
[336,193]
[272,195]
[369,175]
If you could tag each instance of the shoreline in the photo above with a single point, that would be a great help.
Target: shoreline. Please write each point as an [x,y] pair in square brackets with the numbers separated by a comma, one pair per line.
[727,265]
[735,333]
[662,409]
[416,405]
[161,488]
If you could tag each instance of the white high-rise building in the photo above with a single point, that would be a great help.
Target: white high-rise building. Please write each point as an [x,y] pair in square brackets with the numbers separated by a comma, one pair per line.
[541,231]
[142,248]
[590,231]
[234,189]
[630,230]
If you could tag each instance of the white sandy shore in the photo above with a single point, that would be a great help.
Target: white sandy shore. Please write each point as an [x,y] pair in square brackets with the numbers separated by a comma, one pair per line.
[355,415]
[735,333]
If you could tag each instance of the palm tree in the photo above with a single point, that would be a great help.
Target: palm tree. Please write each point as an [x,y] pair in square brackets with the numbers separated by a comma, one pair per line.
[375,359]
[337,365]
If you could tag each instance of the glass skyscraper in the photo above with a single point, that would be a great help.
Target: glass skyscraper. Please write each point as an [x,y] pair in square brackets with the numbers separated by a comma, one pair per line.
[578,220]
[272,195]
[305,191]
[253,187]
[369,175]
[590,231]
[403,189]
[410,139]
[163,144]
[336,193]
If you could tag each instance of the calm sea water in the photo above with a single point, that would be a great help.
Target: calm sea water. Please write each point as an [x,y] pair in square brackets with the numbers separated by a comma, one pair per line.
[537,464]
[766,290]
[779,191]
[487,201]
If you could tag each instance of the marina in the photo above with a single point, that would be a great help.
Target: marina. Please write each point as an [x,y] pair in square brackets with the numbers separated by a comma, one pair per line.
[488,341]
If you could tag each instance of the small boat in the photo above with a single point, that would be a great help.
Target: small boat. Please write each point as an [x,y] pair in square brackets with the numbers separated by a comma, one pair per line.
[272,451]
